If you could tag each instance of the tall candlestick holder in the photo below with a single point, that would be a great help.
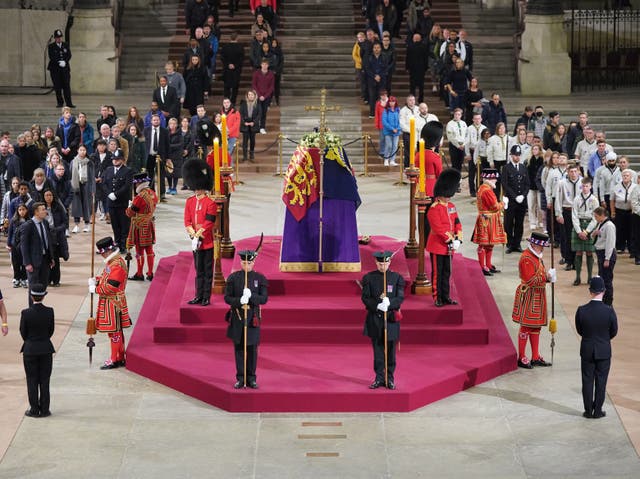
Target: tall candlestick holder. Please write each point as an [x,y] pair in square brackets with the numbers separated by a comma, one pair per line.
[421,285]
[411,248]
[219,282]
[227,249]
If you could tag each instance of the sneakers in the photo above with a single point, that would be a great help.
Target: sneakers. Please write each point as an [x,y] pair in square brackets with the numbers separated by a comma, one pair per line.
[263,131]
[434,89]
[66,232]
[393,163]
[16,283]
[75,229]
[86,229]
[24,283]
[386,162]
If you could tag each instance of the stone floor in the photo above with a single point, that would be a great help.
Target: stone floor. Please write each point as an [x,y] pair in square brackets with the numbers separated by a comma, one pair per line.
[115,424]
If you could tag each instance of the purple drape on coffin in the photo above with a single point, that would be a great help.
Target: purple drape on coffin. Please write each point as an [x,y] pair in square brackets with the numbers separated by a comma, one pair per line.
[339,235]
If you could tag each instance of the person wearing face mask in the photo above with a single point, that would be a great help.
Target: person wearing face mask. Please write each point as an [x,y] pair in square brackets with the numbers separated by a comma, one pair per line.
[539,121]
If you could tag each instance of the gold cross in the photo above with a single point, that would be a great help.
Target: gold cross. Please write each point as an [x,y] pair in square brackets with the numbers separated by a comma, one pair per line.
[323,109]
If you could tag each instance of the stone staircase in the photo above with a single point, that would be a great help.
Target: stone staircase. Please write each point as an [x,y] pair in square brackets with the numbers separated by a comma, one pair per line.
[318,55]
[491,34]
[147,33]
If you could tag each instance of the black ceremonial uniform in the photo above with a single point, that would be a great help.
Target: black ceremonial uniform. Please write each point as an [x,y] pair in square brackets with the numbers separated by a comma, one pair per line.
[515,182]
[257,283]
[372,288]
[60,75]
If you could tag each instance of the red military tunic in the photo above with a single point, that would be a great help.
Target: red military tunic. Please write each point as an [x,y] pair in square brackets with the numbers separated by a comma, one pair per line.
[433,168]
[530,304]
[200,214]
[445,226]
[142,232]
[489,229]
[112,302]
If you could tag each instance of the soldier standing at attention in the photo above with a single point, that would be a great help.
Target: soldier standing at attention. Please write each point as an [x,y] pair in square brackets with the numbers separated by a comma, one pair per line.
[245,292]
[383,300]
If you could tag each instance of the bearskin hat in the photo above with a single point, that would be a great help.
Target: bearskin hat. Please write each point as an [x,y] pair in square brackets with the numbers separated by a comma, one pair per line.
[447,183]
[197,175]
[432,134]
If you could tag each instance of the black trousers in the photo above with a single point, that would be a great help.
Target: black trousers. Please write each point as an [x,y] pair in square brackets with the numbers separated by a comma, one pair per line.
[40,274]
[514,222]
[473,176]
[252,361]
[623,229]
[406,137]
[19,272]
[440,275]
[373,92]
[203,262]
[565,240]
[594,377]
[416,82]
[457,157]
[248,140]
[38,372]
[378,358]
[151,171]
[61,79]
[264,108]
[607,275]
[120,223]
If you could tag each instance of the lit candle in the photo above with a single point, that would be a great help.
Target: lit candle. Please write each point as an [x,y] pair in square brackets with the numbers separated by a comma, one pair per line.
[423,176]
[412,140]
[225,158]
[216,166]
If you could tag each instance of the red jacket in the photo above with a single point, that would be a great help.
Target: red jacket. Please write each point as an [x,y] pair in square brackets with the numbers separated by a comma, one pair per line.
[256,3]
[445,227]
[113,313]
[530,303]
[433,168]
[233,123]
[379,111]
[200,214]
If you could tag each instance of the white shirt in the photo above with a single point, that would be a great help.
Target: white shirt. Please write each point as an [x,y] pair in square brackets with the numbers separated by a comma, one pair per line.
[457,133]
[405,116]
[423,120]
[474,133]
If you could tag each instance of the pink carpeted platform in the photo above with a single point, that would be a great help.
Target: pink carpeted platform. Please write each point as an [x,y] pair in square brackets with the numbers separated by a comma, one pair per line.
[313,356]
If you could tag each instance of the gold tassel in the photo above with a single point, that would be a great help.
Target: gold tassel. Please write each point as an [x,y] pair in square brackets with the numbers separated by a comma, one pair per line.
[91,326]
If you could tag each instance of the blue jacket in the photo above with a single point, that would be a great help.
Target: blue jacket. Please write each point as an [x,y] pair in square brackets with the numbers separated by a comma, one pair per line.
[391,121]
[87,138]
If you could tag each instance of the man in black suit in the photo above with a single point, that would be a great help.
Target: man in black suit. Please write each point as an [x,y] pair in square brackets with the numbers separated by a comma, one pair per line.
[59,56]
[117,181]
[167,98]
[36,246]
[232,55]
[36,328]
[597,324]
[515,184]
[157,143]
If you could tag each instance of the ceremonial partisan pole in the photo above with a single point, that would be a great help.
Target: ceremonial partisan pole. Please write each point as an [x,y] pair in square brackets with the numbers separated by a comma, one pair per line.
[552,323]
[91,322]
[323,108]
[245,307]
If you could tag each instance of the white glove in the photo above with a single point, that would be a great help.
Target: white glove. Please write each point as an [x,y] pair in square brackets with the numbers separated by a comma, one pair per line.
[246,292]
[244,300]
[383,307]
[551,274]
[456,244]
[505,200]
[519,199]
[195,242]
[62,64]
[91,282]
[112,196]
[92,289]
[386,301]
[130,204]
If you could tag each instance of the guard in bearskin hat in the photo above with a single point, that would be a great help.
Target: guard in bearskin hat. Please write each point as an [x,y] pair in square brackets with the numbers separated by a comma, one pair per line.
[431,133]
[113,313]
[530,303]
[199,220]
[142,232]
[489,230]
[445,236]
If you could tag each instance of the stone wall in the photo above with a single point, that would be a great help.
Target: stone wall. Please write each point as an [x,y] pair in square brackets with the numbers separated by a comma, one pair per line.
[24,39]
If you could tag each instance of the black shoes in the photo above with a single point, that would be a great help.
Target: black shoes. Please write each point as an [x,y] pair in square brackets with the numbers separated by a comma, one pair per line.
[438,303]
[525,365]
[376,384]
[508,250]
[71,105]
[238,385]
[599,414]
[487,272]
[45,414]
[30,413]
[115,365]
[518,249]
[494,270]
[196,300]
[205,302]
[562,261]
[150,277]
[449,301]
[587,415]
[568,267]
[391,384]
[252,385]
[540,362]
[136,277]
[577,282]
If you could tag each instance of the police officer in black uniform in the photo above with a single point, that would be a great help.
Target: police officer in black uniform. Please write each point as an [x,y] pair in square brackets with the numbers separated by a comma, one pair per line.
[245,292]
[59,56]
[515,186]
[380,299]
